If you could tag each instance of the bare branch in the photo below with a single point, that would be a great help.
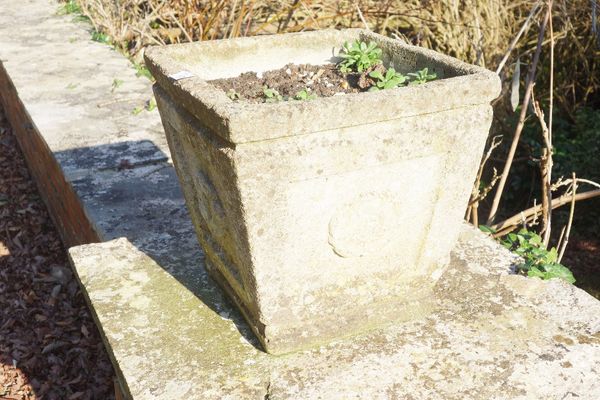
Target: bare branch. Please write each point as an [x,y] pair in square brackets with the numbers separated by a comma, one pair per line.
[571,212]
[520,125]
[362,18]
[533,12]
[511,223]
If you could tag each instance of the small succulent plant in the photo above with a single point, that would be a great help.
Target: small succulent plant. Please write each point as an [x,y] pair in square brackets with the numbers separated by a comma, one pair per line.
[390,80]
[359,56]
[422,76]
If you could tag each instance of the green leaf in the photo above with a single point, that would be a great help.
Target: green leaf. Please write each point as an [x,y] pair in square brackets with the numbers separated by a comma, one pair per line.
[556,270]
[536,272]
[535,239]
[151,105]
[376,75]
[359,56]
[487,229]
[551,256]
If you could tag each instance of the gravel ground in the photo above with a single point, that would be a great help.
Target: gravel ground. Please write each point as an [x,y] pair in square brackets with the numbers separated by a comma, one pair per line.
[49,345]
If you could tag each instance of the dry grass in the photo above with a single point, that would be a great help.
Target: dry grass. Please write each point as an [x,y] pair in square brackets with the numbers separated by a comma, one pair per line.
[477,31]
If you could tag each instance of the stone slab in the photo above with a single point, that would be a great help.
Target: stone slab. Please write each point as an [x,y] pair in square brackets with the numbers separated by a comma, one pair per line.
[71,119]
[494,335]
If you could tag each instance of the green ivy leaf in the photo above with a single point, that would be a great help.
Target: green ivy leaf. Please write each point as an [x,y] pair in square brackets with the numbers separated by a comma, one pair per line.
[556,270]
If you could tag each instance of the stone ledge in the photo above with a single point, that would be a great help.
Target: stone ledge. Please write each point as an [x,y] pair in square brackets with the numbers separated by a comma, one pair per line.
[495,335]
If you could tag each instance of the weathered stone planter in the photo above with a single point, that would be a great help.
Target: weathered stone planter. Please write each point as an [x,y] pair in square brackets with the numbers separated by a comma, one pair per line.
[328,217]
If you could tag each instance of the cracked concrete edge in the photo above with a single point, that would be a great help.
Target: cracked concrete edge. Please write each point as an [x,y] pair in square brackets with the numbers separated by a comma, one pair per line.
[120,384]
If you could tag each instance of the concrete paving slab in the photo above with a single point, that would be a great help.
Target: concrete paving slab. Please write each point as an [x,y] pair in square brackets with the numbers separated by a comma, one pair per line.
[66,82]
[494,335]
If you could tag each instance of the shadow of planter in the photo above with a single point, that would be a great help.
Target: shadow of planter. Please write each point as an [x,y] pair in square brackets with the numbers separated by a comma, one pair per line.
[322,219]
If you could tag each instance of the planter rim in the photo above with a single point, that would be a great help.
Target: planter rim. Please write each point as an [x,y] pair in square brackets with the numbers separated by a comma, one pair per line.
[242,122]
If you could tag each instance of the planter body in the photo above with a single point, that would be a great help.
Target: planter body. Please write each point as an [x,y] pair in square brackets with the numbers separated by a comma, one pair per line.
[323,218]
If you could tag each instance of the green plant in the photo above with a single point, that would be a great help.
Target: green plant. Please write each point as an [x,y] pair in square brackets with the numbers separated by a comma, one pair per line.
[151,104]
[305,95]
[141,70]
[390,80]
[137,110]
[70,7]
[101,37]
[116,84]
[539,262]
[233,95]
[422,76]
[271,95]
[359,56]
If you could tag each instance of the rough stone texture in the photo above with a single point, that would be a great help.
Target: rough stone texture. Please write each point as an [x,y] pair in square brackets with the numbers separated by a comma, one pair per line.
[57,87]
[300,217]
[102,171]
[494,335]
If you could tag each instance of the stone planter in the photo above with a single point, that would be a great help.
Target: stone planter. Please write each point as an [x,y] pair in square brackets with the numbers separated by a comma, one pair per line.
[323,218]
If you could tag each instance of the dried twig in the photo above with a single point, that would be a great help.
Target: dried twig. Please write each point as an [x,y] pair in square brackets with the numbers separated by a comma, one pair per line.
[533,12]
[183,30]
[563,245]
[478,195]
[546,172]
[362,18]
[510,224]
[521,123]
[547,168]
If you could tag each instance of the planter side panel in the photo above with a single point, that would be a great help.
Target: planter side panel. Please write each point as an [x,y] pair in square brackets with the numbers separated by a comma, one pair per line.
[206,171]
[365,215]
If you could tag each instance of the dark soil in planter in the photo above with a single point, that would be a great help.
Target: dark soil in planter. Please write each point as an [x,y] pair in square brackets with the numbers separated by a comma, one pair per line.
[320,80]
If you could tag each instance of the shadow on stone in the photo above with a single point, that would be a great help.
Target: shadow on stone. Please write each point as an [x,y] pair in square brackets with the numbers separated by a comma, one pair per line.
[130,189]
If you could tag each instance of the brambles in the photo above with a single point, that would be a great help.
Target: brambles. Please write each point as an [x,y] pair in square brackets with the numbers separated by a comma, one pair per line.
[422,76]
[390,80]
[359,56]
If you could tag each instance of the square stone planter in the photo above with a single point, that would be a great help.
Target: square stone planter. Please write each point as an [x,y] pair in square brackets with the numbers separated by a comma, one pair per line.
[323,218]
